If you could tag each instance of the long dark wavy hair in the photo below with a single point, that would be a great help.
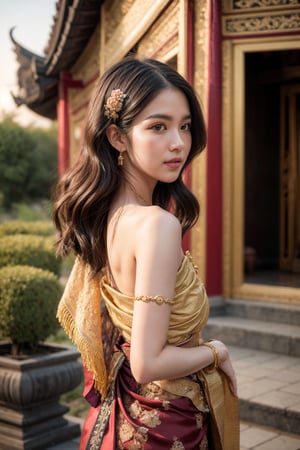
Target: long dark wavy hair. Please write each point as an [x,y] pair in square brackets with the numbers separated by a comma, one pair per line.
[85,193]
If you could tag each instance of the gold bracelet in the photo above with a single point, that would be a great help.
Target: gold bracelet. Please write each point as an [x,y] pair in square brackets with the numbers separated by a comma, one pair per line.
[214,366]
[159,299]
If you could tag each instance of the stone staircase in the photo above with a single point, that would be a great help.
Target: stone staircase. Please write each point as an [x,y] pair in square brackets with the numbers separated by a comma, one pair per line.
[264,342]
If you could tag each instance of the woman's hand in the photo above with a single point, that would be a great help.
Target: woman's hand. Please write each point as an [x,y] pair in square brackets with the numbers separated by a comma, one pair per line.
[225,364]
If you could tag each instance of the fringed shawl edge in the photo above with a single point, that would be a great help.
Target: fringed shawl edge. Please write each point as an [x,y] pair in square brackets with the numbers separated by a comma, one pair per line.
[83,294]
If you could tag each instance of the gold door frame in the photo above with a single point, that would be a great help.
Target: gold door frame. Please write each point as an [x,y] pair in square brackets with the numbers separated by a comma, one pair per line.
[233,170]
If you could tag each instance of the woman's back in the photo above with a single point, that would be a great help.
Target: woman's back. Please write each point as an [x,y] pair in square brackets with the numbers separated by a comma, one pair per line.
[134,235]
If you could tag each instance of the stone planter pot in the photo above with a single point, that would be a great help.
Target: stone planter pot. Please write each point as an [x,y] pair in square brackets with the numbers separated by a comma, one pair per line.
[31,416]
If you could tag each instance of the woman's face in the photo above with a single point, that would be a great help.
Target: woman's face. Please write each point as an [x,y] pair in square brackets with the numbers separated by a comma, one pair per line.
[159,139]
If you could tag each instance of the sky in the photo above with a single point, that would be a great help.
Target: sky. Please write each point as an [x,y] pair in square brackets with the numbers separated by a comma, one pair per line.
[32,20]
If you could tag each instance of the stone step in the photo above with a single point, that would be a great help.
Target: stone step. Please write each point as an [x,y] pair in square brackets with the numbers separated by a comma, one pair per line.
[268,312]
[256,334]
[260,437]
[268,388]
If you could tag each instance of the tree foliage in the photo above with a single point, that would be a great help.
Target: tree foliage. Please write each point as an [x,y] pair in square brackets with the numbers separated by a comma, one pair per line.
[28,162]
[43,162]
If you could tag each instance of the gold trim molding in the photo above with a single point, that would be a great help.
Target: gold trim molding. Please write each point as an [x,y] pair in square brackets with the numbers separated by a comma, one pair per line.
[227,90]
[266,293]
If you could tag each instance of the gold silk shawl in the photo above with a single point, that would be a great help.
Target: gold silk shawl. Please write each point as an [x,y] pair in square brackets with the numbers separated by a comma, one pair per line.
[79,313]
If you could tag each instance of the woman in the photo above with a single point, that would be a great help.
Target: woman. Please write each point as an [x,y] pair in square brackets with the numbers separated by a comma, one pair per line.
[122,209]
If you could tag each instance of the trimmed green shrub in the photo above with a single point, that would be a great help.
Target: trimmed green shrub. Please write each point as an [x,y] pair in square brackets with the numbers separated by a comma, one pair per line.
[28,302]
[41,228]
[30,250]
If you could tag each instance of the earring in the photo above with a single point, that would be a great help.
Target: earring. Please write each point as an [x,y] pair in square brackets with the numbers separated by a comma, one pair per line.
[120,159]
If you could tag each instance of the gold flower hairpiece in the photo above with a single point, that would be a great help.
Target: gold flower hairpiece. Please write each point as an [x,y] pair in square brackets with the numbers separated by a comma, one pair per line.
[114,104]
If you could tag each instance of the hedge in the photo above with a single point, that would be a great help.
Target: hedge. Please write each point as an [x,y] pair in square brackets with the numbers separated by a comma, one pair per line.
[41,228]
[28,302]
[30,250]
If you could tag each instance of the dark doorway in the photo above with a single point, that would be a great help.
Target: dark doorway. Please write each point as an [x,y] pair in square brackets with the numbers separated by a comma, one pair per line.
[272,168]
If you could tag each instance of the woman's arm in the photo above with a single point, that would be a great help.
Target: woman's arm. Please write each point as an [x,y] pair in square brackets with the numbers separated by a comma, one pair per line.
[158,256]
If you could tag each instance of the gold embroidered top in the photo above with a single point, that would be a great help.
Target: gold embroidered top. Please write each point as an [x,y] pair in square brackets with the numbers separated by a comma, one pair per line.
[189,311]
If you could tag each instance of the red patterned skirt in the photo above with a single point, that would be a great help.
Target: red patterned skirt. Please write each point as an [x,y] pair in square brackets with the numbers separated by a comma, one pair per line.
[134,417]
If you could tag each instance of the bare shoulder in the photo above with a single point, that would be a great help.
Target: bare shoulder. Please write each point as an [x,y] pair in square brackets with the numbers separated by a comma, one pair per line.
[159,232]
[159,221]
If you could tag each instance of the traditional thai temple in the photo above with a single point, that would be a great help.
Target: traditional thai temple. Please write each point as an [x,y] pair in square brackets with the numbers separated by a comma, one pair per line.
[243,58]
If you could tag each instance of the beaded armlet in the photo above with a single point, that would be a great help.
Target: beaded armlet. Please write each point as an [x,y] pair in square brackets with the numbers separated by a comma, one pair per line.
[159,299]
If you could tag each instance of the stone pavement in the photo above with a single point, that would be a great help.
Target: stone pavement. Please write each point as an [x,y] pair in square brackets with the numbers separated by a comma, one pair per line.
[256,437]
[270,380]
[253,437]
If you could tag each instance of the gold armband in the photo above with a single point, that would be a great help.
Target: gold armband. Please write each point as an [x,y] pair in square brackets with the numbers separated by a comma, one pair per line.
[159,299]
[212,367]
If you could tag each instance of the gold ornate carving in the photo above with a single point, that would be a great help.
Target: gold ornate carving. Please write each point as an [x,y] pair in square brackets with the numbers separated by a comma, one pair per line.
[238,4]
[162,36]
[168,52]
[88,62]
[182,57]
[116,10]
[85,69]
[246,5]
[78,100]
[201,36]
[130,30]
[261,24]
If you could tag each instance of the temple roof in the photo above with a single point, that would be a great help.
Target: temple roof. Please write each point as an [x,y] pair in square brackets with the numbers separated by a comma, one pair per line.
[73,24]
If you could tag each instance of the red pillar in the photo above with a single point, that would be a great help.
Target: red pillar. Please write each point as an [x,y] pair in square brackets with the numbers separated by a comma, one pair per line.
[186,243]
[65,82]
[214,158]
